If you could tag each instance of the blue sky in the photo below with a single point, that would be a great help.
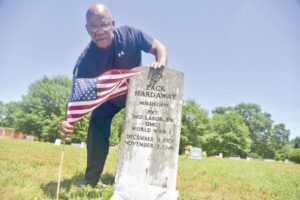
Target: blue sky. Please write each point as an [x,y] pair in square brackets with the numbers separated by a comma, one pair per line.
[230,51]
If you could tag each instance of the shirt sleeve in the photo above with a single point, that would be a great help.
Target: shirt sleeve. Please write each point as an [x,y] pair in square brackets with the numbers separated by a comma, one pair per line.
[83,67]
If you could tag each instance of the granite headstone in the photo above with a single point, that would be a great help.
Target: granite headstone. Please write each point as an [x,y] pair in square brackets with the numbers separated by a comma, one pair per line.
[148,152]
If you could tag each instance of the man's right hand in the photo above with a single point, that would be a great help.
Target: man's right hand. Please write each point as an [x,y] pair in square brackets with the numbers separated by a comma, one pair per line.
[66,130]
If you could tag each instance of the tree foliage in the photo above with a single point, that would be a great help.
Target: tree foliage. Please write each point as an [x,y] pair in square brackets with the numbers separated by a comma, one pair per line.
[116,128]
[194,125]
[81,130]
[230,135]
[240,130]
[295,155]
[259,124]
[43,108]
[2,113]
[295,142]
[10,114]
[268,140]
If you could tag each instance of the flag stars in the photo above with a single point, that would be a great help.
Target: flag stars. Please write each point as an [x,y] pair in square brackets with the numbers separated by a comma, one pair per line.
[84,90]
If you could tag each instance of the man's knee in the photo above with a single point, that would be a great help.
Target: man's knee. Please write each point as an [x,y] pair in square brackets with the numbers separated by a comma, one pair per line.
[105,112]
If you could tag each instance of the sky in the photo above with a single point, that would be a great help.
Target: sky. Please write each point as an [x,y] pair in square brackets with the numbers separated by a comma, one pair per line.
[230,51]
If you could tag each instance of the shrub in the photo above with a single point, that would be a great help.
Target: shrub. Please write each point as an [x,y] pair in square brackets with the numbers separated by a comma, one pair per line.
[278,156]
[295,156]
[254,155]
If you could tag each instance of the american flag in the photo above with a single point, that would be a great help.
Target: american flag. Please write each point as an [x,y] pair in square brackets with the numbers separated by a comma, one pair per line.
[89,93]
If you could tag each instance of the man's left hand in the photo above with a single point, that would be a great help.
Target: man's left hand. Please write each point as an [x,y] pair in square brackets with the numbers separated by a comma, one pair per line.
[157,65]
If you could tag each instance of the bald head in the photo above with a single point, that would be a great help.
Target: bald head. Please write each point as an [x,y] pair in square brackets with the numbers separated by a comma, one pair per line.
[100,25]
[98,10]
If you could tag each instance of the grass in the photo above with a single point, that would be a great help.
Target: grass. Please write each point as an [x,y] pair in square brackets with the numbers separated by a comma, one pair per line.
[29,170]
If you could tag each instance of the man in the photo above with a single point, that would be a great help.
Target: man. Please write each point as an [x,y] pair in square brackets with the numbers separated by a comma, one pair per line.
[110,48]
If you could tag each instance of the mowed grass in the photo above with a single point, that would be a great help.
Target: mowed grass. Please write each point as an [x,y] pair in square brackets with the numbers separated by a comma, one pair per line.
[29,170]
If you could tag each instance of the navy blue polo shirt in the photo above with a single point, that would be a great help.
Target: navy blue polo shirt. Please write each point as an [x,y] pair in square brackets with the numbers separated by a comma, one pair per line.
[125,52]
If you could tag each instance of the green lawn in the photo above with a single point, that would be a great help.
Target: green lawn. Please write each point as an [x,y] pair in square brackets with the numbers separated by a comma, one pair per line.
[29,170]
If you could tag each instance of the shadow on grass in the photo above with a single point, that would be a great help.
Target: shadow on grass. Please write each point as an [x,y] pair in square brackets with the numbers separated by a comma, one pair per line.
[108,179]
[69,188]
[50,188]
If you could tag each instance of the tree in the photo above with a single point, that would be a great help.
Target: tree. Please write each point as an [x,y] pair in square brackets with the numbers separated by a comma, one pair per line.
[295,142]
[280,140]
[116,128]
[2,113]
[230,135]
[281,135]
[9,114]
[260,126]
[195,124]
[43,108]
[81,130]
[221,110]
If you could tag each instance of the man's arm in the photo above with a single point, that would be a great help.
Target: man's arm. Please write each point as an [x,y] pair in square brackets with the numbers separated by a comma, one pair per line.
[161,55]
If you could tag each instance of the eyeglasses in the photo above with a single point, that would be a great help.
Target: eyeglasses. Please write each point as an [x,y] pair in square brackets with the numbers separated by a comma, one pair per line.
[104,27]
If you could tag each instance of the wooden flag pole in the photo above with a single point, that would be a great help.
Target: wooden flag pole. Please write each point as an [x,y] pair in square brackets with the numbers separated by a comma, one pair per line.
[60,169]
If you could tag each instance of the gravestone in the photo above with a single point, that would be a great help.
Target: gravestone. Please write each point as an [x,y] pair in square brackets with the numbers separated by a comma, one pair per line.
[286,161]
[29,137]
[57,142]
[195,153]
[220,155]
[75,144]
[234,158]
[148,152]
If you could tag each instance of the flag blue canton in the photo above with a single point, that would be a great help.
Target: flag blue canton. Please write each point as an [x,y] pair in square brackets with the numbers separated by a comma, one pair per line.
[84,89]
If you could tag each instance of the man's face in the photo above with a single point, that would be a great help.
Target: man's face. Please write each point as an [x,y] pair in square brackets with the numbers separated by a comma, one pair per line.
[100,28]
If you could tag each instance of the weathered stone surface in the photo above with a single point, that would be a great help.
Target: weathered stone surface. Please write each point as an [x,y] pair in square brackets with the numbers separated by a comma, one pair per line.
[149,146]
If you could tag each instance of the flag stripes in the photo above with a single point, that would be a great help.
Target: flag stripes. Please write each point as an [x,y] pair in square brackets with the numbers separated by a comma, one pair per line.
[109,85]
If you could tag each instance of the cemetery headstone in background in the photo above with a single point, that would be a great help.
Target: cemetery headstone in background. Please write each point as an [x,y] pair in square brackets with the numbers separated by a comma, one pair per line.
[195,153]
